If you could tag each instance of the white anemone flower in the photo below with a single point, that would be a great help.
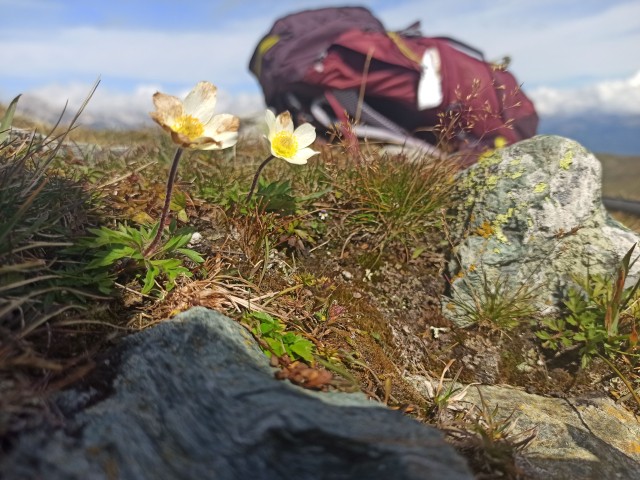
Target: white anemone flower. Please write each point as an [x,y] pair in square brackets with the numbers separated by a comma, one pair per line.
[192,123]
[289,144]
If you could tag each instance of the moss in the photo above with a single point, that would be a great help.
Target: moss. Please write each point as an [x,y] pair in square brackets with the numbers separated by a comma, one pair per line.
[367,335]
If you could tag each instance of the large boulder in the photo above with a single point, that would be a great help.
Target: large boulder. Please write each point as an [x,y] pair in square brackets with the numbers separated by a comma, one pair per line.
[530,219]
[194,397]
[575,438]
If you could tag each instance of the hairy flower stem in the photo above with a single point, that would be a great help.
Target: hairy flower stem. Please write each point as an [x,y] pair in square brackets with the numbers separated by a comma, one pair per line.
[255,179]
[167,202]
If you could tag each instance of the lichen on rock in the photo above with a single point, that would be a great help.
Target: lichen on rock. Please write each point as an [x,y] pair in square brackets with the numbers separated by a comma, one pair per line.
[531,217]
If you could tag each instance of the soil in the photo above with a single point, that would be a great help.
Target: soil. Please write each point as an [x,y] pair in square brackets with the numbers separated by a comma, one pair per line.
[401,301]
[386,321]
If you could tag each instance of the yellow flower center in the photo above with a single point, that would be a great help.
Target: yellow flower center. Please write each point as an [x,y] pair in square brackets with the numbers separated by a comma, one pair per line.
[189,126]
[284,144]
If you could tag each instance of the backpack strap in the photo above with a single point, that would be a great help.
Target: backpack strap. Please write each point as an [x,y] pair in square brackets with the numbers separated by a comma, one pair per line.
[403,47]
[266,44]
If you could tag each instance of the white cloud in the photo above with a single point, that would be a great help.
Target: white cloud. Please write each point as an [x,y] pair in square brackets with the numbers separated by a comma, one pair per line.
[146,56]
[621,97]
[548,46]
[111,109]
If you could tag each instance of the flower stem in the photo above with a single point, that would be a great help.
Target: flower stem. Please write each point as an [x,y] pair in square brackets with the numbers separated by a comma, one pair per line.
[167,202]
[255,178]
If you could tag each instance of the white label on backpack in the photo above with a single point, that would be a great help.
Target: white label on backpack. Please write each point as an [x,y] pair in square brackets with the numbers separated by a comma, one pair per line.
[430,85]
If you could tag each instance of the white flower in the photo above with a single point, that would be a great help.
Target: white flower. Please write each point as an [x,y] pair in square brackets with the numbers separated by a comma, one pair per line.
[192,123]
[288,144]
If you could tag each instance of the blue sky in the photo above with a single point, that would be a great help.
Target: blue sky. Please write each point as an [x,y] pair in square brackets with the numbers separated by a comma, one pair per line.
[584,52]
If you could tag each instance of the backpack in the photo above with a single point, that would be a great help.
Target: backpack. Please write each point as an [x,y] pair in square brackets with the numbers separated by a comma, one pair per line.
[333,65]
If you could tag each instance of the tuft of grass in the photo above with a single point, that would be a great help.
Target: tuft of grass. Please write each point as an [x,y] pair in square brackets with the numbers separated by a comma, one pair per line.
[393,201]
[496,304]
[41,212]
[43,286]
[489,441]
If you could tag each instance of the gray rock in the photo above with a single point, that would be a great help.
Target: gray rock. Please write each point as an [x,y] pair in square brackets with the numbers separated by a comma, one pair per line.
[194,398]
[576,439]
[531,217]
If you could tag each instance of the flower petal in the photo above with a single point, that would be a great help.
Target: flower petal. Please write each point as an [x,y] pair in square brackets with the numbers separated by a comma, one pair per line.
[201,102]
[223,130]
[271,124]
[301,156]
[168,108]
[284,122]
[180,139]
[205,143]
[305,134]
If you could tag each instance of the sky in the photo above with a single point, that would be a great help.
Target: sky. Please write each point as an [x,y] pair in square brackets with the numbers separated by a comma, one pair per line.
[572,56]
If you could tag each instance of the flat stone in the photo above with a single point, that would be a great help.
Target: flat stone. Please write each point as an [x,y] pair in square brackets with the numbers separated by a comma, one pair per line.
[576,438]
[194,397]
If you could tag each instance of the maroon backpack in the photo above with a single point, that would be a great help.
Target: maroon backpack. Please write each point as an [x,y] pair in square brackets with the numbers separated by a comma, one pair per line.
[332,65]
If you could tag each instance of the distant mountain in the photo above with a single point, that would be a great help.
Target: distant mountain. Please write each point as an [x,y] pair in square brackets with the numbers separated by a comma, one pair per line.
[600,133]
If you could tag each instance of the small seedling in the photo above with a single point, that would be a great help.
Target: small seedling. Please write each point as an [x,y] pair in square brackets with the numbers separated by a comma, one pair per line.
[279,342]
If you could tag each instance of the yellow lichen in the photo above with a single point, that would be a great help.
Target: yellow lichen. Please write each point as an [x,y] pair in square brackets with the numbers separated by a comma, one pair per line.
[540,187]
[492,181]
[567,160]
[499,234]
[503,218]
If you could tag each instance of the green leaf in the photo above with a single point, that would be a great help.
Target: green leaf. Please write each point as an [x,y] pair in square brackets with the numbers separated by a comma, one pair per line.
[262,316]
[190,254]
[268,329]
[277,196]
[276,346]
[166,263]
[7,119]
[149,280]
[302,348]
[112,256]
[542,335]
[178,201]
[182,216]
[314,195]
[178,240]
